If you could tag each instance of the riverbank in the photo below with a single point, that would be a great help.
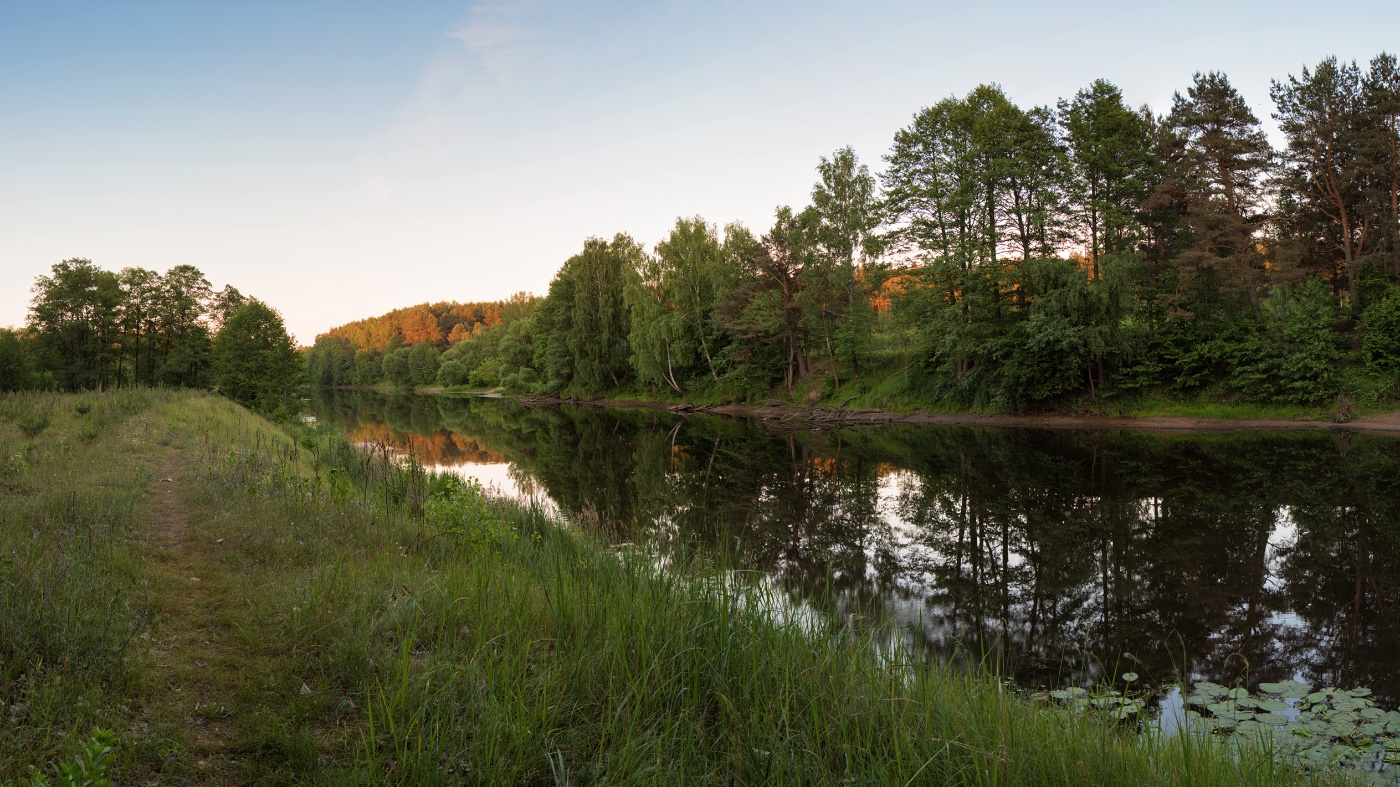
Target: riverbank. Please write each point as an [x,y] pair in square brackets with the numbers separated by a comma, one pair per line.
[817,417]
[243,605]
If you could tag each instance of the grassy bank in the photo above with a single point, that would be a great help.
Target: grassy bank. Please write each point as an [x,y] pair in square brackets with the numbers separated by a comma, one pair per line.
[243,605]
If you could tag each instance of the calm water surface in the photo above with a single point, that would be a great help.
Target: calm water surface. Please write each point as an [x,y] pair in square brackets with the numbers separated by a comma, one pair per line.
[1052,556]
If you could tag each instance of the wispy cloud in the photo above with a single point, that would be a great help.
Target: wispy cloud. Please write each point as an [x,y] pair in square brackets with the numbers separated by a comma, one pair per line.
[498,34]
[485,55]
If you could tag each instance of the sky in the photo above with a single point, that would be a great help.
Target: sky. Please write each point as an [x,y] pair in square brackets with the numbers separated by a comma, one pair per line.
[341,159]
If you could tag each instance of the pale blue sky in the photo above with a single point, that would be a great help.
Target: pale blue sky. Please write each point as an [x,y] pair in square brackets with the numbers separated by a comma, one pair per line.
[339,159]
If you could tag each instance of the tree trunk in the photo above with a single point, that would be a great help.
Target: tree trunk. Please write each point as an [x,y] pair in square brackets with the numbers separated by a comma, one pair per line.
[670,373]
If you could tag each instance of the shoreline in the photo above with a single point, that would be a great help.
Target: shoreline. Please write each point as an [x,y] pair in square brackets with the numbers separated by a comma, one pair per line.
[1382,423]
[833,417]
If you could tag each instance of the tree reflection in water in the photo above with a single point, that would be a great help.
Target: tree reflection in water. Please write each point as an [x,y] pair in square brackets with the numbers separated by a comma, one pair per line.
[1053,557]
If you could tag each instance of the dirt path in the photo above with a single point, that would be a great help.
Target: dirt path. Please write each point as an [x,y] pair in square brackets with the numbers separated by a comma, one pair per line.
[192,673]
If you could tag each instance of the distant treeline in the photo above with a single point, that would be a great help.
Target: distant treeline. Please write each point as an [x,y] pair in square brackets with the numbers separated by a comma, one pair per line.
[1005,257]
[438,324]
[91,329]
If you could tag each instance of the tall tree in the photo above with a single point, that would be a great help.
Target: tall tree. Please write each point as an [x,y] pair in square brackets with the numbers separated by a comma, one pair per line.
[74,318]
[141,294]
[183,302]
[1223,166]
[844,200]
[1319,114]
[673,298]
[837,298]
[1036,170]
[1380,97]
[255,363]
[585,319]
[1110,148]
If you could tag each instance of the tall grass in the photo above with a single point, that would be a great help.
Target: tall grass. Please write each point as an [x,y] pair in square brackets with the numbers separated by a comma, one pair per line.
[72,600]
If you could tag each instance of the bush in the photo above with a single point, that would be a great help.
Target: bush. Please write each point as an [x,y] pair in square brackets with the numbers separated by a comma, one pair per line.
[1298,358]
[423,363]
[254,361]
[1380,334]
[396,369]
[451,373]
[459,508]
[16,372]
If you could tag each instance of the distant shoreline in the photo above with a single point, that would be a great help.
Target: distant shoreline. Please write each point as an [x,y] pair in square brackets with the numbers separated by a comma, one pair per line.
[1384,423]
[834,417]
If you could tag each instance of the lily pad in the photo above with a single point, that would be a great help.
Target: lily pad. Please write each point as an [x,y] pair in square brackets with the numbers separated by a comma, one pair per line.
[1273,706]
[1208,689]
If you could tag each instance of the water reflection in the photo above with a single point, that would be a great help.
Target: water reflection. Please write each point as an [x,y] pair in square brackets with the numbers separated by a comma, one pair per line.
[1054,556]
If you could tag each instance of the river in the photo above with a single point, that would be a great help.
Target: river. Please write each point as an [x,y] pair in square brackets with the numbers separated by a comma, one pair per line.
[1054,557]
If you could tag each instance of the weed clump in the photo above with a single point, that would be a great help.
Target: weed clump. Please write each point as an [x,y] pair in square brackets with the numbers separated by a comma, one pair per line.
[88,768]
[459,508]
[32,423]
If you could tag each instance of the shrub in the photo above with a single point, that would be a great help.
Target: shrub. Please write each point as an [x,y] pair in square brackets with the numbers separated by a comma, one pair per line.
[459,508]
[1380,333]
[1298,359]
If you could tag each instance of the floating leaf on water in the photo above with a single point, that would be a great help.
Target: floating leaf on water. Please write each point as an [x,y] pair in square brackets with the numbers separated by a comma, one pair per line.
[1208,689]
[1316,696]
[1361,692]
[1250,727]
[1272,705]
[1372,713]
[1220,707]
[1129,677]
[1060,694]
[1238,694]
[1272,719]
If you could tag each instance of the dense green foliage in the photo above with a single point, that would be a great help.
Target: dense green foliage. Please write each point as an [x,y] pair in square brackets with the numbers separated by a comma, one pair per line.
[91,329]
[1009,258]
[254,361]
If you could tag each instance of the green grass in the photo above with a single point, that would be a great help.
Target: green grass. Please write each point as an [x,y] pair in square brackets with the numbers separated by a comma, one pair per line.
[346,641]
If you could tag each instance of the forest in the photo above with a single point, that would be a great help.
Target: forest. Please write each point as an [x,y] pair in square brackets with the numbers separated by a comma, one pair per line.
[91,329]
[1003,258]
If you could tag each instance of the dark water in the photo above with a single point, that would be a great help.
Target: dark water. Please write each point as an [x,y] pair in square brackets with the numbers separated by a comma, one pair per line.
[1053,556]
